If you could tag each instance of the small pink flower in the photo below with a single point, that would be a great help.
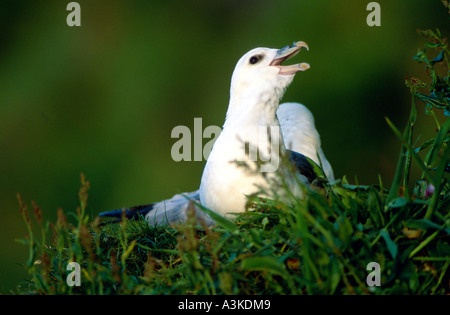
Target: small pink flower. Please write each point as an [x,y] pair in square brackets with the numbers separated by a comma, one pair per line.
[429,191]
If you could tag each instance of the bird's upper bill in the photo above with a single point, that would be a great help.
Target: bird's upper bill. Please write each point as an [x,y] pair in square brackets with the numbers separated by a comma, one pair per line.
[286,53]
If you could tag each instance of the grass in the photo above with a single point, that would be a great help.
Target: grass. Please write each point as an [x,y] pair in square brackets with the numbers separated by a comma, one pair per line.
[322,244]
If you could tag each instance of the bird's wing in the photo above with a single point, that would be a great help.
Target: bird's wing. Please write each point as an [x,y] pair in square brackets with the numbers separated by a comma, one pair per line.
[303,165]
[129,213]
[300,134]
[176,209]
[168,211]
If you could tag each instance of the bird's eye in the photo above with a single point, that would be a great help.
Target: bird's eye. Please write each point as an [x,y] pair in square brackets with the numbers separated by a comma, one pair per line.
[255,59]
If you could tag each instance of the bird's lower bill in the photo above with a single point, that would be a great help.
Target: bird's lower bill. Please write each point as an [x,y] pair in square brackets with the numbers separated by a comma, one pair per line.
[292,69]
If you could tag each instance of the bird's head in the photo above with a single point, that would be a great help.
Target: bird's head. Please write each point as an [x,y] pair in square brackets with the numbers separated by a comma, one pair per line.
[261,70]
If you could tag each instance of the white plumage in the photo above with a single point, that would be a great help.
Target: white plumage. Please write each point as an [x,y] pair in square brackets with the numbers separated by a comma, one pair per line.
[258,83]
[300,134]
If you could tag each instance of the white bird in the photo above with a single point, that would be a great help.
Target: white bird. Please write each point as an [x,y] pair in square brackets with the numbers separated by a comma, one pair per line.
[258,83]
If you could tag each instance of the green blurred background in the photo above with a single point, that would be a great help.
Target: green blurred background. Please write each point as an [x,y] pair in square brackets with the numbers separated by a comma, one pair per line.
[103,98]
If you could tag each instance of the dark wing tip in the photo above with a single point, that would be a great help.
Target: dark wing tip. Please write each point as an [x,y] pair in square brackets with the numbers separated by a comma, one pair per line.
[303,165]
[130,213]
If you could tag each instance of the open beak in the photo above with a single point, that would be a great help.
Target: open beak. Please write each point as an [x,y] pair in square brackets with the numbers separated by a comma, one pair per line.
[286,53]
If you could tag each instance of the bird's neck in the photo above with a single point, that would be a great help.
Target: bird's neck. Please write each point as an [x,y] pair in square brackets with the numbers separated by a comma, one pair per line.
[255,108]
[251,118]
